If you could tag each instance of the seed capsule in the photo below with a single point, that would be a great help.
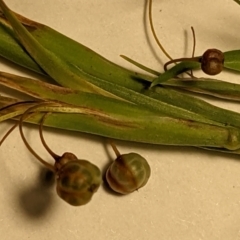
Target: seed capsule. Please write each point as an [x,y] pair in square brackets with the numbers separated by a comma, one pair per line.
[77,180]
[128,172]
[212,61]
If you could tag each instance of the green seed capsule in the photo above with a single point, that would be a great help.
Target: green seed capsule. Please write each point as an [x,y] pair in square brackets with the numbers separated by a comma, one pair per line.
[77,180]
[128,173]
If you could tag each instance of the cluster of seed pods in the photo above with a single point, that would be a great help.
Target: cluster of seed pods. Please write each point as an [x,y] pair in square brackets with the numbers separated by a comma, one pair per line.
[77,179]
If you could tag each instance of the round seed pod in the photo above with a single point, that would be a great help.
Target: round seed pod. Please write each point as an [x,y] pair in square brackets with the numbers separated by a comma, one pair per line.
[212,61]
[128,173]
[77,180]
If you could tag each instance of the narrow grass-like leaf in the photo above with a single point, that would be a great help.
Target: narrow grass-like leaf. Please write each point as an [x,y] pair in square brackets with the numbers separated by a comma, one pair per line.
[47,91]
[57,43]
[232,60]
[135,127]
[207,86]
[174,71]
[99,66]
[28,86]
[48,61]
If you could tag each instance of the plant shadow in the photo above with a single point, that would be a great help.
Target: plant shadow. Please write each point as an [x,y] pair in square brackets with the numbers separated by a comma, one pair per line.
[37,200]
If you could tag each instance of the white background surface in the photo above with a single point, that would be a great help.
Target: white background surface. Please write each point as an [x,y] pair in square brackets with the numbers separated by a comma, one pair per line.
[191,194]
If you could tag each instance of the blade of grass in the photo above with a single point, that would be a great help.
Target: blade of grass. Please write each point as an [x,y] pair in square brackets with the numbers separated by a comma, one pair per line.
[48,91]
[110,122]
[57,43]
[208,86]
[96,64]
[48,61]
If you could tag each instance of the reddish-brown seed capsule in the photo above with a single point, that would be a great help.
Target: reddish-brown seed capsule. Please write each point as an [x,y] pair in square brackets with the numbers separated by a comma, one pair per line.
[128,173]
[212,61]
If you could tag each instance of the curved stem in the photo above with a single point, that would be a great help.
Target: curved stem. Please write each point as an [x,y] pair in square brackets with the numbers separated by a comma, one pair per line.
[8,133]
[194,42]
[23,117]
[154,33]
[54,155]
[194,47]
[194,59]
[16,124]
[17,103]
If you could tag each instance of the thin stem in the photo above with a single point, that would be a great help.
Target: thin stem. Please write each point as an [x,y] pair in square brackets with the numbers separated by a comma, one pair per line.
[54,155]
[115,149]
[196,59]
[194,47]
[194,42]
[17,103]
[16,124]
[23,117]
[8,133]
[154,33]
